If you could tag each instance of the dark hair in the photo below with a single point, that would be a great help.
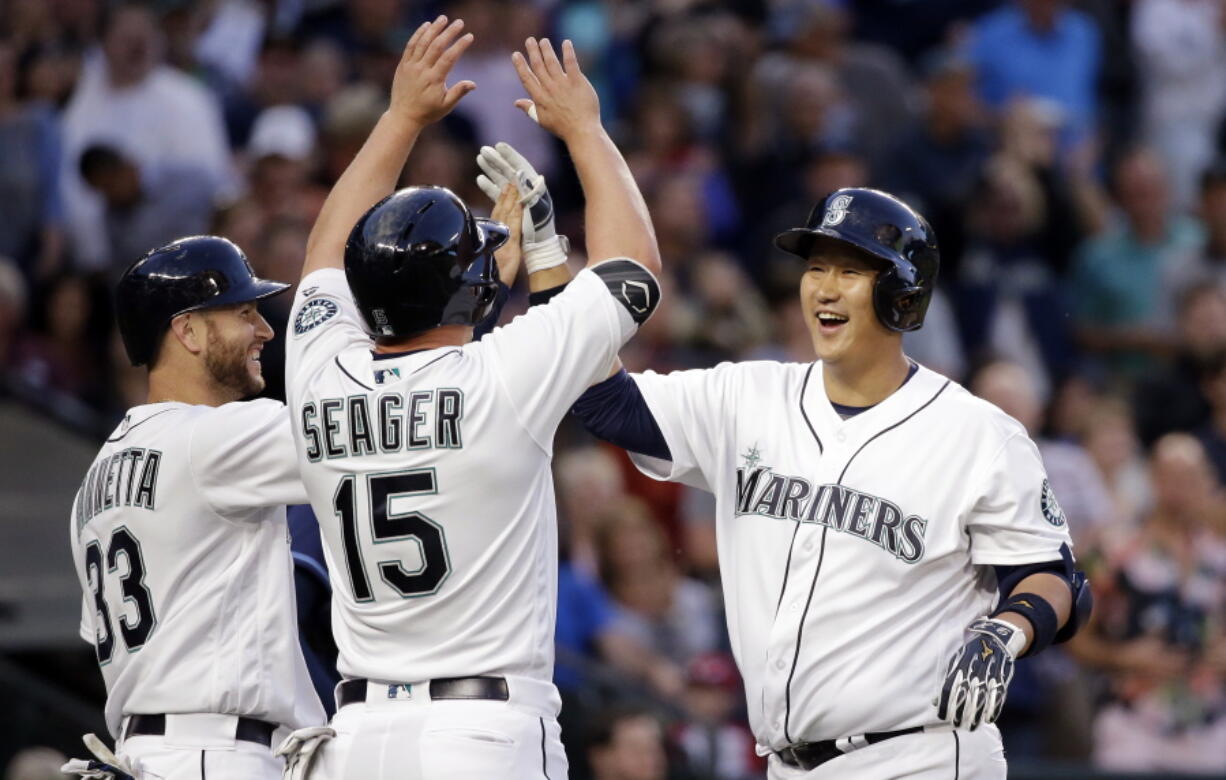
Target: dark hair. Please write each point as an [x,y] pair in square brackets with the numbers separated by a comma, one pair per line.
[100,159]
[604,725]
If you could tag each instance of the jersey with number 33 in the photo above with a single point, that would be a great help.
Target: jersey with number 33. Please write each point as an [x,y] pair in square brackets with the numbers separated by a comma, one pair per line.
[180,543]
[430,473]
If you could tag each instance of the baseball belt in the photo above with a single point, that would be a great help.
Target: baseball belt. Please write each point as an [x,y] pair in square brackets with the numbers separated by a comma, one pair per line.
[247,729]
[810,755]
[476,688]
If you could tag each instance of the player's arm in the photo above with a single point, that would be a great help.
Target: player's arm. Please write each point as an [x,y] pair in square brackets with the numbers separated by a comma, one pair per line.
[420,95]
[616,220]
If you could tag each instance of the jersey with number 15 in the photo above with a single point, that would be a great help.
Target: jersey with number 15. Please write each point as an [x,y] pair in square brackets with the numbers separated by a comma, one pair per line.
[430,474]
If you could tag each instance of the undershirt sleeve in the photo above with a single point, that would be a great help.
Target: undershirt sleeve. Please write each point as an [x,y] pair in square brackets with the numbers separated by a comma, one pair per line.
[615,410]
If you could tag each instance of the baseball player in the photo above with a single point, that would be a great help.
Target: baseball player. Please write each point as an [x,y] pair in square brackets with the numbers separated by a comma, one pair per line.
[179,534]
[427,455]
[889,543]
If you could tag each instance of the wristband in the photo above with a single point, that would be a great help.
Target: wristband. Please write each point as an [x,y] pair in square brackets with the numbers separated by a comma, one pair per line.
[1039,612]
[1009,635]
[545,254]
[544,296]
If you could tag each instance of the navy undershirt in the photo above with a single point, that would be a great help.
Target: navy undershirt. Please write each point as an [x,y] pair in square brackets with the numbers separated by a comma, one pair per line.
[847,412]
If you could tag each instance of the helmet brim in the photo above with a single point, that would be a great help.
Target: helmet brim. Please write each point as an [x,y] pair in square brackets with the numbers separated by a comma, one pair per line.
[493,234]
[254,290]
[802,241]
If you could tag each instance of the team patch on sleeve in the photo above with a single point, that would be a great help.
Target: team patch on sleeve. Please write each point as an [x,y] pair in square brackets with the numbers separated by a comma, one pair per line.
[1051,508]
[632,285]
[314,313]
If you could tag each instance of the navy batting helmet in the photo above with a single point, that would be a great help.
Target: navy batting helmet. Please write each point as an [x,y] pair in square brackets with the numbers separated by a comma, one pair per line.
[888,229]
[419,259]
[197,272]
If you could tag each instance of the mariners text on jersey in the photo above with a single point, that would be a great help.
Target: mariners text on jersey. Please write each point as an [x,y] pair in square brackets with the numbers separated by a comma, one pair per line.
[874,519]
[113,481]
[391,422]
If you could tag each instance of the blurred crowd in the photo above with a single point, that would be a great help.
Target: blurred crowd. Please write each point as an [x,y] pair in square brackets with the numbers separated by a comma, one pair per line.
[1070,155]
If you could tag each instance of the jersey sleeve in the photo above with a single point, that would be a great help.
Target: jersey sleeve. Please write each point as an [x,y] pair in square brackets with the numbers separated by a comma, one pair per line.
[1014,516]
[689,407]
[548,356]
[243,457]
[324,321]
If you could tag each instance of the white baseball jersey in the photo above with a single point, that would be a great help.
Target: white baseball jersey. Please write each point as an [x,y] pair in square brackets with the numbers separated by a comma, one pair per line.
[853,552]
[182,549]
[430,474]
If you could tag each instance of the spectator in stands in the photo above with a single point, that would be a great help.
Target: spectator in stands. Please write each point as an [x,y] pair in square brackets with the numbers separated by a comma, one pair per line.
[1041,48]
[1125,280]
[1213,216]
[1108,433]
[1159,627]
[1172,398]
[282,154]
[31,232]
[1074,477]
[936,164]
[1181,52]
[60,356]
[627,743]
[153,114]
[1212,434]
[1007,292]
[716,743]
[496,28]
[146,208]
[675,616]
[872,77]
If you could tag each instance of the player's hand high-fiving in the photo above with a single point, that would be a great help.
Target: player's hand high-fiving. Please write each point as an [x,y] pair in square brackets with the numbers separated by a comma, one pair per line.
[419,89]
[562,99]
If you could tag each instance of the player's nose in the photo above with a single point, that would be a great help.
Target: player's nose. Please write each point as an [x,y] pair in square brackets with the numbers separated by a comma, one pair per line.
[263,331]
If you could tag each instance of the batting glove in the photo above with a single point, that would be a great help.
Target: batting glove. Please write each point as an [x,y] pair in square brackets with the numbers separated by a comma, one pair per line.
[978,675]
[502,165]
[298,750]
[107,765]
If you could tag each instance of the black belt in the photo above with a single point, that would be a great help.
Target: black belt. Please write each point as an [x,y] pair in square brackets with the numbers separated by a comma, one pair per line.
[248,729]
[810,755]
[491,688]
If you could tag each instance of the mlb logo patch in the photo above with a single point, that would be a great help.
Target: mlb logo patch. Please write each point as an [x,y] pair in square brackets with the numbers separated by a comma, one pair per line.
[400,691]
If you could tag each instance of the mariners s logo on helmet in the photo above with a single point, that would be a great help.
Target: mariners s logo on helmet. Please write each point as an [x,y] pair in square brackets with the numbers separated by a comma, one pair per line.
[836,211]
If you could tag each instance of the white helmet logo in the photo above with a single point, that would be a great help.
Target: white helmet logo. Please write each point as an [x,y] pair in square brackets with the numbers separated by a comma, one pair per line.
[836,211]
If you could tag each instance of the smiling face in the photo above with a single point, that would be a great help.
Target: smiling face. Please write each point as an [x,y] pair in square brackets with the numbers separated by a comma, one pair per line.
[236,336]
[836,295]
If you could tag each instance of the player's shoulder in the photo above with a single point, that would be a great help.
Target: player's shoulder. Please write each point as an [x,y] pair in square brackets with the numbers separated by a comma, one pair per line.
[754,376]
[236,417]
[973,414]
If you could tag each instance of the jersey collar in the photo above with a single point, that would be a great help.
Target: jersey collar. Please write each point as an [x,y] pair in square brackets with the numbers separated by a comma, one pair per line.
[903,402]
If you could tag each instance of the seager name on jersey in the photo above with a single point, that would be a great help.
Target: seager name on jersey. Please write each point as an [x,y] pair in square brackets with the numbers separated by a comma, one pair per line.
[759,491]
[390,422]
[126,478]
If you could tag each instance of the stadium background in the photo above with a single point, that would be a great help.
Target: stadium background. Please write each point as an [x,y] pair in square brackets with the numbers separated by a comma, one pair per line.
[1069,155]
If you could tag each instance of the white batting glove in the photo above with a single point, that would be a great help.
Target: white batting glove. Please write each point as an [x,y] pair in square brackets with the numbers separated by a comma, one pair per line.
[978,675]
[502,165]
[298,750]
[104,766]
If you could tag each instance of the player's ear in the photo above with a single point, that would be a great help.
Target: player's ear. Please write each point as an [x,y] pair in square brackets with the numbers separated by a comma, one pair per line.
[190,330]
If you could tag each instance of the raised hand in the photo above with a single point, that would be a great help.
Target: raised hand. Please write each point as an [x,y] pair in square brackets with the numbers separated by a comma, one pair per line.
[502,166]
[509,210]
[562,99]
[419,89]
